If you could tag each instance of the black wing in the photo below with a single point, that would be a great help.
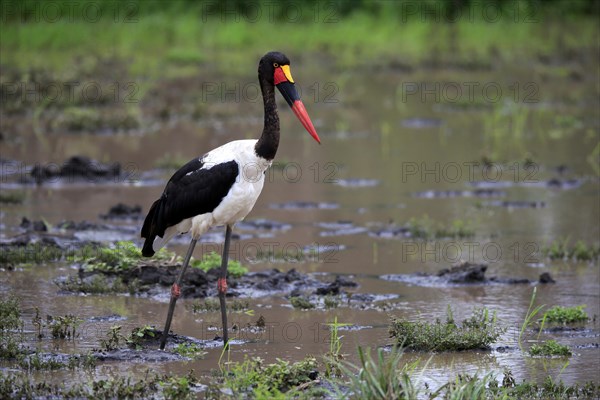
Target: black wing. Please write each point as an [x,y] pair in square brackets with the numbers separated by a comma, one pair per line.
[191,191]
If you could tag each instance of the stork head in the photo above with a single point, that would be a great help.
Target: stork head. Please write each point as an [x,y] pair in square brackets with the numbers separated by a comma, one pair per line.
[275,68]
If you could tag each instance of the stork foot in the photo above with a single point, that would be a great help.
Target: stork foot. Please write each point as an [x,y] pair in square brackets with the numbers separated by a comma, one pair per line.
[222,285]
[175,291]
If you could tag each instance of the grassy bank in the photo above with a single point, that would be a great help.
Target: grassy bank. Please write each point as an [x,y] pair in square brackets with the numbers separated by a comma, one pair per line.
[173,39]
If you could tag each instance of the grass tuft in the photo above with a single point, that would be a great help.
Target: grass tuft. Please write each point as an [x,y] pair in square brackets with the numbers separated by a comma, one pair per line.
[550,348]
[477,332]
[566,315]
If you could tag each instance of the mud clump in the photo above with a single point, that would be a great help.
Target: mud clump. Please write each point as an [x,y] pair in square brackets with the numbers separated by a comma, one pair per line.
[76,168]
[36,226]
[123,211]
[463,273]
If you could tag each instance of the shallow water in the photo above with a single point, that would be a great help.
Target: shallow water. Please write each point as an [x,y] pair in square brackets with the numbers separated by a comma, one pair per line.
[385,146]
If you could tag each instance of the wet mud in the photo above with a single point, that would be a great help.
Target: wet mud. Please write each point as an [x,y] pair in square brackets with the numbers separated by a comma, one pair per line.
[464,273]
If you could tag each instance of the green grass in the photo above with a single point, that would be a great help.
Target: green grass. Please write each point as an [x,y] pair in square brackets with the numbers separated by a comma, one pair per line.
[12,197]
[560,249]
[34,253]
[212,260]
[380,377]
[301,303]
[169,39]
[427,229]
[213,305]
[252,378]
[190,350]
[550,348]
[566,315]
[11,327]
[477,332]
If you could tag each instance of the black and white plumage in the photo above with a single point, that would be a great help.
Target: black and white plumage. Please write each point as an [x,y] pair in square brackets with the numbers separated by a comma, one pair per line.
[221,187]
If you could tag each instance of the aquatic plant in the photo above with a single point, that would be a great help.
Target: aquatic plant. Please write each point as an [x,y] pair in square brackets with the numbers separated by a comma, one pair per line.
[113,339]
[31,253]
[97,284]
[191,350]
[530,317]
[301,303]
[380,377]
[566,315]
[212,260]
[11,327]
[213,305]
[12,197]
[560,249]
[334,355]
[550,348]
[139,335]
[63,327]
[252,376]
[477,332]
[152,385]
[427,229]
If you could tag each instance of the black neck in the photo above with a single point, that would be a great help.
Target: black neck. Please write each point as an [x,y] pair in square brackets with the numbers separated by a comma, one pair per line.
[267,145]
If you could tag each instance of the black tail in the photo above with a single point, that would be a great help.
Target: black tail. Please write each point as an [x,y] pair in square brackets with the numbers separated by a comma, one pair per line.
[150,228]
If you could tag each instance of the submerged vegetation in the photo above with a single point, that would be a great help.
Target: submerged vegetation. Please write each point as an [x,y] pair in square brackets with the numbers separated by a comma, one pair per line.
[477,332]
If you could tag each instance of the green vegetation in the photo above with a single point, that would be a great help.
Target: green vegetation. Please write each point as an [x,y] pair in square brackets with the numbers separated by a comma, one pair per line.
[64,327]
[11,327]
[550,348]
[477,332]
[213,305]
[380,377]
[425,228]
[301,303]
[355,32]
[139,335]
[580,251]
[334,355]
[49,362]
[530,317]
[37,253]
[97,284]
[213,260]
[125,255]
[252,378]
[566,315]
[114,338]
[331,302]
[122,257]
[12,197]
[190,350]
[23,386]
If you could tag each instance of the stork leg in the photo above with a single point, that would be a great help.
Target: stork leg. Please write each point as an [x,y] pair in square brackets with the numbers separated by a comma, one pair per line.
[175,292]
[222,285]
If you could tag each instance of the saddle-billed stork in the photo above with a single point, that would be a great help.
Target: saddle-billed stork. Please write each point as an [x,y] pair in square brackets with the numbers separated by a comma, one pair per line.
[222,186]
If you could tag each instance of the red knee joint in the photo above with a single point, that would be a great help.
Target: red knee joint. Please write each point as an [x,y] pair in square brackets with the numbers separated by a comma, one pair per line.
[175,291]
[222,285]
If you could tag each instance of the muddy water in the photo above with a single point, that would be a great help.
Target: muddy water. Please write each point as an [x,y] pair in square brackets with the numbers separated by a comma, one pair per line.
[403,141]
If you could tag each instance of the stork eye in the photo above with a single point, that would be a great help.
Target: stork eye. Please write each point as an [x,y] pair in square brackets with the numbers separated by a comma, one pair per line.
[275,65]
